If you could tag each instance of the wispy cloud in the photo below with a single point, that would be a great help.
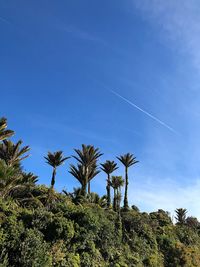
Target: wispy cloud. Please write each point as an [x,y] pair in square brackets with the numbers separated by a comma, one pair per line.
[44,122]
[167,194]
[94,38]
[180,22]
[82,34]
[4,20]
[144,111]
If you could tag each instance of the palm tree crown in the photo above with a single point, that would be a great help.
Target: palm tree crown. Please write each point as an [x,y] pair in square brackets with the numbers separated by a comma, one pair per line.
[127,160]
[4,134]
[117,182]
[79,173]
[87,157]
[11,153]
[55,159]
[109,166]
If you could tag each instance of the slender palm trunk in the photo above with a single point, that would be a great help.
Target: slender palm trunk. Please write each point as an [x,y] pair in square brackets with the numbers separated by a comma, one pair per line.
[115,201]
[108,192]
[119,197]
[126,189]
[53,178]
[88,187]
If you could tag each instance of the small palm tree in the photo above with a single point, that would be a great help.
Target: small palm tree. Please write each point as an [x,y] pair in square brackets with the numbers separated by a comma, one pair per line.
[117,182]
[55,159]
[4,134]
[14,183]
[87,157]
[127,160]
[181,216]
[9,179]
[108,167]
[79,173]
[96,199]
[11,153]
[29,178]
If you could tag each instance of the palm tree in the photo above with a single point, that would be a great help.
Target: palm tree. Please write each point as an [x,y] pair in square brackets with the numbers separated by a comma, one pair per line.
[9,178]
[94,198]
[108,167]
[87,157]
[12,154]
[4,134]
[127,160]
[79,173]
[29,178]
[13,182]
[181,216]
[117,182]
[55,159]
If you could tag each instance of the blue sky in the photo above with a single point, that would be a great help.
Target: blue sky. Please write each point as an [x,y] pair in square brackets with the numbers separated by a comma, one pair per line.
[121,75]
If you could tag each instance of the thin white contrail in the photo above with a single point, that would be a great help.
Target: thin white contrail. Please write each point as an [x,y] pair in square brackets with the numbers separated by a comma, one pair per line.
[144,111]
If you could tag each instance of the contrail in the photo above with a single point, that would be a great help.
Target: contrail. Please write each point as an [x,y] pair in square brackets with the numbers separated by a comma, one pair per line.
[144,111]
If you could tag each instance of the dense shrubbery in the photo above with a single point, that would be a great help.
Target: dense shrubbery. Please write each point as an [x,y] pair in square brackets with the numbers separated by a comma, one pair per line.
[40,227]
[88,235]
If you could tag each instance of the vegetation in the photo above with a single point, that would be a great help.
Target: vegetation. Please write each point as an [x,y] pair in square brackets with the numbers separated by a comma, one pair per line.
[55,159]
[108,167]
[3,132]
[40,227]
[127,160]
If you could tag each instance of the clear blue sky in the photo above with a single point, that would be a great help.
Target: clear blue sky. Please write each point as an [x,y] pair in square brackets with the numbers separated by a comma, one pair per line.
[60,62]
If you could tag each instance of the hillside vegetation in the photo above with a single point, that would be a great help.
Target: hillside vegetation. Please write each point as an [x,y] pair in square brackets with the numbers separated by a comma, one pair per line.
[40,227]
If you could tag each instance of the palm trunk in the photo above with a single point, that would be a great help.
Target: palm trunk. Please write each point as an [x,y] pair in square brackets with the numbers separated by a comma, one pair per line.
[86,180]
[126,189]
[89,187]
[53,178]
[115,201]
[119,198]
[108,192]
[84,187]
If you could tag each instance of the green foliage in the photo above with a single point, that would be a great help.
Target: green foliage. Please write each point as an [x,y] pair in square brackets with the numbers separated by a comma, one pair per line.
[88,235]
[4,134]
[11,153]
[40,227]
[33,250]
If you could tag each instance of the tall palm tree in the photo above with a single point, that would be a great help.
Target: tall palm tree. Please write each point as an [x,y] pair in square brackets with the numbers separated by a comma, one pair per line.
[3,132]
[181,216]
[117,182]
[108,167]
[11,153]
[87,157]
[55,159]
[79,173]
[127,160]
